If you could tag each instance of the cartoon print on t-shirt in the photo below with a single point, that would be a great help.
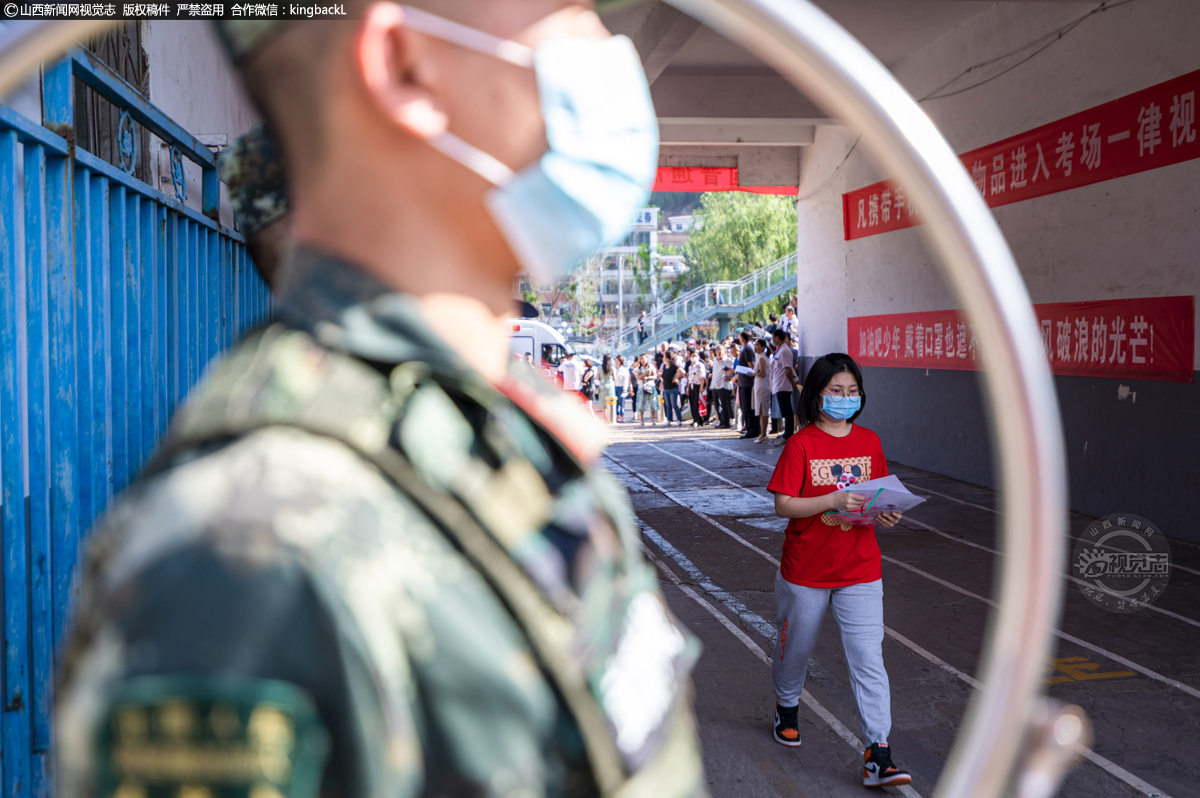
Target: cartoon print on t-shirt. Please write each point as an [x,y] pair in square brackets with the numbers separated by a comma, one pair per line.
[839,472]
[829,520]
[819,551]
[831,471]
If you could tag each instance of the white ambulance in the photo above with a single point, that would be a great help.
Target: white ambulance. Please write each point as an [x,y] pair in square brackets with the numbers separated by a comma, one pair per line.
[544,344]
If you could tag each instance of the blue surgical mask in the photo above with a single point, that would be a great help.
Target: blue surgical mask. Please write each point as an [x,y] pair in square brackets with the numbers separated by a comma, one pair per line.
[840,408]
[603,136]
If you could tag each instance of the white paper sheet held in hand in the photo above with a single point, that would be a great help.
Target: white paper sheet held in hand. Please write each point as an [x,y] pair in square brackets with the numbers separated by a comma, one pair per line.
[883,495]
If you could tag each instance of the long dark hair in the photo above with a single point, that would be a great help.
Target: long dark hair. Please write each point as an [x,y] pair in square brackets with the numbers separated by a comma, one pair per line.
[818,378]
[606,365]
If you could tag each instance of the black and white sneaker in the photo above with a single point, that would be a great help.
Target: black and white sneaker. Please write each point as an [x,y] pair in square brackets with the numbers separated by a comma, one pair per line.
[878,770]
[787,725]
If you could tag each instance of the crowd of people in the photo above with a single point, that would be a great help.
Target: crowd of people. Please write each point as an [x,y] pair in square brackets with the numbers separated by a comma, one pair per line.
[390,534]
[749,381]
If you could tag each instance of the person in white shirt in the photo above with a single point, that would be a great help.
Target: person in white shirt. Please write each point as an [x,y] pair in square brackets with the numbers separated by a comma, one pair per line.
[572,374]
[709,359]
[789,323]
[647,386]
[746,358]
[622,387]
[722,381]
[783,380]
[697,377]
[761,397]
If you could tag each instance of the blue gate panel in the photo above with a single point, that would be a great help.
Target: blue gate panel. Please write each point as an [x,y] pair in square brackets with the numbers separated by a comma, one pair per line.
[131,262]
[64,513]
[14,728]
[100,432]
[117,350]
[148,353]
[37,450]
[114,299]
[195,302]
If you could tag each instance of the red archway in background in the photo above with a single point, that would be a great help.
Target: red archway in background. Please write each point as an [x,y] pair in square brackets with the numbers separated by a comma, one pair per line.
[711,178]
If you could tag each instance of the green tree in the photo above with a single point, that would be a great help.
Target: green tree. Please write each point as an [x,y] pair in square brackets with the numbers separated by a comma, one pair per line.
[639,264]
[587,294]
[642,277]
[674,203]
[760,313]
[668,291]
[741,233]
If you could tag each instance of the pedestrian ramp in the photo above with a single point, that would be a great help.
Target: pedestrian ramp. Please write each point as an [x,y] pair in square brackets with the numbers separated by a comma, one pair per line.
[724,299]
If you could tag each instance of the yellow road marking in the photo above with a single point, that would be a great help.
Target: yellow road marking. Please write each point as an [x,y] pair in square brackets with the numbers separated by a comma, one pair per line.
[1080,669]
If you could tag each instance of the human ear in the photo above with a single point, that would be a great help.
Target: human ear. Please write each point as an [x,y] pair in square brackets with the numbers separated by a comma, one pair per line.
[386,53]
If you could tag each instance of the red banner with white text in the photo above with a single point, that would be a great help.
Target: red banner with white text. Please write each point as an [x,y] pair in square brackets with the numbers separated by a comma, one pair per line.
[1135,339]
[694,179]
[1146,130]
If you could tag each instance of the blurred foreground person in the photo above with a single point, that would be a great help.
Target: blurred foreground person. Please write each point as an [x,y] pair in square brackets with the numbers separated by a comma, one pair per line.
[252,169]
[372,557]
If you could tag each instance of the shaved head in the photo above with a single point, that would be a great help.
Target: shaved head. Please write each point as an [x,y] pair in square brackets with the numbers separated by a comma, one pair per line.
[358,108]
[292,78]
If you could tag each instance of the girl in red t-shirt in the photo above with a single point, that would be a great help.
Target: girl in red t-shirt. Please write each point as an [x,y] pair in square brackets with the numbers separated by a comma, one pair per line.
[829,563]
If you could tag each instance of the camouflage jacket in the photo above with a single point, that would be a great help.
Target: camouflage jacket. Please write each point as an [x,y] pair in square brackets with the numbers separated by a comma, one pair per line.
[308,523]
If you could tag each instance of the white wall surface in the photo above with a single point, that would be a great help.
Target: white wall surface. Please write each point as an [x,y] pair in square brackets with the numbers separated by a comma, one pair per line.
[192,81]
[26,99]
[1134,236]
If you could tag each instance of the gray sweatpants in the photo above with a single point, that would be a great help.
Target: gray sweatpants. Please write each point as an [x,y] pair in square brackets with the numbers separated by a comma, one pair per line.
[858,610]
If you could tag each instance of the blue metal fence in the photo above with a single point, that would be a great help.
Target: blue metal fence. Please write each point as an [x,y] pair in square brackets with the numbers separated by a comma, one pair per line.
[113,298]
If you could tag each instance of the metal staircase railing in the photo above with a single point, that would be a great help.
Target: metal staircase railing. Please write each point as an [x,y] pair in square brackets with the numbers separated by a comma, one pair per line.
[726,297]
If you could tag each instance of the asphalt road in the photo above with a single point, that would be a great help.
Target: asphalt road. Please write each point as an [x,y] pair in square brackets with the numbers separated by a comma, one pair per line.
[709,526]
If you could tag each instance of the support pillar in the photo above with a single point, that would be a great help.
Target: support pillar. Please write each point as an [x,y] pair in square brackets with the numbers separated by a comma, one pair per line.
[724,324]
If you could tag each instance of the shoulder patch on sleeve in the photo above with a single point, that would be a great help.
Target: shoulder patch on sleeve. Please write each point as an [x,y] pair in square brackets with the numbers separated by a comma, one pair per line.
[200,737]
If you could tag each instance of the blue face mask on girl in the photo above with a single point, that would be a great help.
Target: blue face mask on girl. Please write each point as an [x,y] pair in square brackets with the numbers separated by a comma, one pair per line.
[603,137]
[840,408]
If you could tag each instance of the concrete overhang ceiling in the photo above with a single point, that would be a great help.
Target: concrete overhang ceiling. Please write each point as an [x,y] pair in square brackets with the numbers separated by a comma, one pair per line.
[719,105]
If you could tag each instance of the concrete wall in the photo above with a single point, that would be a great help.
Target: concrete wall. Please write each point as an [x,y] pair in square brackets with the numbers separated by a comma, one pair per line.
[192,82]
[756,165]
[1135,236]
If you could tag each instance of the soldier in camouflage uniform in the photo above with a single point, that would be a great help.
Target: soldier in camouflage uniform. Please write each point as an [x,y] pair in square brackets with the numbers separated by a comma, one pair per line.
[366,562]
[258,195]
